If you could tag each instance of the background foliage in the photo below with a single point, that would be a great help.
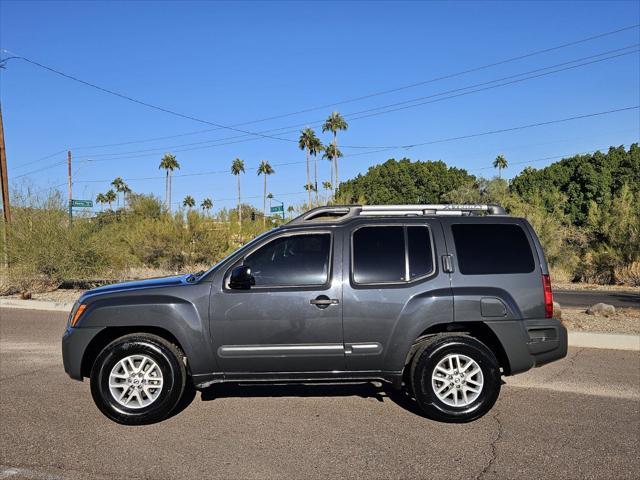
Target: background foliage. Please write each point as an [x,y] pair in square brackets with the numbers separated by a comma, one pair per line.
[585,209]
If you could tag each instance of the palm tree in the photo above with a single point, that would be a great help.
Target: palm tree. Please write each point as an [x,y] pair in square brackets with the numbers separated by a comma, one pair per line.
[327,187]
[265,169]
[206,204]
[332,153]
[500,162]
[237,167]
[101,199]
[169,164]
[110,197]
[334,123]
[188,202]
[311,145]
[120,186]
[126,191]
[290,209]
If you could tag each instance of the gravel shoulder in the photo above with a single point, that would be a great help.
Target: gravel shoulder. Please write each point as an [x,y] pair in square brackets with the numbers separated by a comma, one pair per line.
[625,320]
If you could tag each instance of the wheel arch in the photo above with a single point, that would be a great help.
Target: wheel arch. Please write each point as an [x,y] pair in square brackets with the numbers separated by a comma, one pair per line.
[107,335]
[478,330]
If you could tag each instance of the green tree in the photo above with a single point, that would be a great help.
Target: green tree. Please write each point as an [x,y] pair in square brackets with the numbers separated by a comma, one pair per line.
[119,185]
[331,153]
[237,167]
[290,209]
[188,202]
[101,199]
[500,162]
[333,124]
[110,197]
[404,182]
[311,144]
[206,204]
[168,164]
[327,188]
[265,169]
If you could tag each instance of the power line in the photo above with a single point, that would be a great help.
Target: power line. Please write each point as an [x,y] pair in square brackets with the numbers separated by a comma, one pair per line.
[398,147]
[342,102]
[216,143]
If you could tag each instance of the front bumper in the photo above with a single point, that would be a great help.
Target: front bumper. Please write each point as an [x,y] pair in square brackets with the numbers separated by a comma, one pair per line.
[74,345]
[531,343]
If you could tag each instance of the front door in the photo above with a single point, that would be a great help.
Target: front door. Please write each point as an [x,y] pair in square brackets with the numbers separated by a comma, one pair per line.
[291,319]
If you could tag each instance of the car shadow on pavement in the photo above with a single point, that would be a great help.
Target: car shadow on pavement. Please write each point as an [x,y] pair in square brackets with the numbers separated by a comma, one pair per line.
[377,391]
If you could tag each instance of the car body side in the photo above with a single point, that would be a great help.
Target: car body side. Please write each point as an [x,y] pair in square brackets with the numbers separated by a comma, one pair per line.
[388,319]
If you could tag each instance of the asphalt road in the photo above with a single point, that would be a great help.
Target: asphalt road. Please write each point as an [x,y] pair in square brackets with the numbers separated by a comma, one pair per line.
[572,298]
[578,418]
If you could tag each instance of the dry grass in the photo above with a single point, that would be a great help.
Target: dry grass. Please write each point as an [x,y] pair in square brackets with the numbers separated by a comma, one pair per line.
[625,320]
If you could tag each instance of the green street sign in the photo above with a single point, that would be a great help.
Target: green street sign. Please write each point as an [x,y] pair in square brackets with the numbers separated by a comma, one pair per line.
[278,208]
[82,203]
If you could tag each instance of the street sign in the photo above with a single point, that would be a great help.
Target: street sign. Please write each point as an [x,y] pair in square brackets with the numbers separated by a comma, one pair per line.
[277,208]
[82,203]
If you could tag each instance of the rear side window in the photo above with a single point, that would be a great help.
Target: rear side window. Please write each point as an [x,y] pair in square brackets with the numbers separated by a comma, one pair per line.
[391,254]
[485,249]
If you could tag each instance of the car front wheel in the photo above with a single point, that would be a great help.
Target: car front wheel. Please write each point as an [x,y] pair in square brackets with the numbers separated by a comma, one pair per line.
[138,379]
[455,378]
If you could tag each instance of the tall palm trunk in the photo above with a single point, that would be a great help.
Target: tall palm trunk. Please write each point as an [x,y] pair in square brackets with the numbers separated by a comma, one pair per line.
[308,178]
[239,205]
[264,203]
[166,189]
[315,176]
[335,159]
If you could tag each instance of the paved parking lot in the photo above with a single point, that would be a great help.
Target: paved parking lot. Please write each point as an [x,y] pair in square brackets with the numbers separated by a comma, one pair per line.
[579,418]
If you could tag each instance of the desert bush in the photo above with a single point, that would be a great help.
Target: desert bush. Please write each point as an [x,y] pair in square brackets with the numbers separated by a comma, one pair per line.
[628,275]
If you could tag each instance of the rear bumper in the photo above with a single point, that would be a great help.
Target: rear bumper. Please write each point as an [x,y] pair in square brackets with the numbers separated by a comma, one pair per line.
[530,343]
[74,344]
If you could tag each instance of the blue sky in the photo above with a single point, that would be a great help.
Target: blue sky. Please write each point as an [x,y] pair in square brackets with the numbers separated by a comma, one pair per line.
[230,63]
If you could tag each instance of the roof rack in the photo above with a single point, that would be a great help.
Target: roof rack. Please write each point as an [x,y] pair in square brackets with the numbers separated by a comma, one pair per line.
[341,213]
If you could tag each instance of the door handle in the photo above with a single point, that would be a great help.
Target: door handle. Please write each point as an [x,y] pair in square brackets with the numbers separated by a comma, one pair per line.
[322,301]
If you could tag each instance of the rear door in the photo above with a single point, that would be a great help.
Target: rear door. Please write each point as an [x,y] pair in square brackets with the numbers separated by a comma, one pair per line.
[496,271]
[392,281]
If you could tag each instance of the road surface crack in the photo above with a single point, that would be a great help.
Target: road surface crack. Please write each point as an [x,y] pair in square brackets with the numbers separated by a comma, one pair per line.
[571,362]
[494,448]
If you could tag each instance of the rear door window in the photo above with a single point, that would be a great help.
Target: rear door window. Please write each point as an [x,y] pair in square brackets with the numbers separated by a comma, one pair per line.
[486,249]
[391,254]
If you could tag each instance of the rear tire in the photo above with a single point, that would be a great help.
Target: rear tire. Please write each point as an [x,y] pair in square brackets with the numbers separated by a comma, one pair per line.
[138,379]
[455,378]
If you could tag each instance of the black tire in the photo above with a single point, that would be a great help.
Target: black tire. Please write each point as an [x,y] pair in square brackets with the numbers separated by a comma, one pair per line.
[427,357]
[168,358]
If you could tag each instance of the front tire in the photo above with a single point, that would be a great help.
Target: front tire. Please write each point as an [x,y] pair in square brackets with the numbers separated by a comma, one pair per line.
[138,379]
[455,378]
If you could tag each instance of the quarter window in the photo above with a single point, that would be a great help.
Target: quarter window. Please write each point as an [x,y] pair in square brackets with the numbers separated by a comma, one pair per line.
[380,254]
[485,249]
[295,260]
[420,253]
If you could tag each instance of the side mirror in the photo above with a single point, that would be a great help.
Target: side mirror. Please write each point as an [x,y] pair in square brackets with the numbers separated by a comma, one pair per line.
[241,278]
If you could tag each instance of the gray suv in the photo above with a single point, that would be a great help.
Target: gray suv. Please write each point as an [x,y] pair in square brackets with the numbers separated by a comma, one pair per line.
[441,300]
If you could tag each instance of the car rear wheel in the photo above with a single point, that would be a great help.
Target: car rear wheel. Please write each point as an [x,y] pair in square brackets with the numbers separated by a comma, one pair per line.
[138,379]
[455,378]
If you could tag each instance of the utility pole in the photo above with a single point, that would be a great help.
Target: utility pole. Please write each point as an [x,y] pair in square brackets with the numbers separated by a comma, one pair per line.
[70,183]
[4,184]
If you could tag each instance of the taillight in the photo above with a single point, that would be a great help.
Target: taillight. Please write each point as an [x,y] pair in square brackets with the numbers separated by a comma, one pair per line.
[548,296]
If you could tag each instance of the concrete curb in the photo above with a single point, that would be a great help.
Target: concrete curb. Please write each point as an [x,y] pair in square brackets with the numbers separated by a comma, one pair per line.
[611,341]
[36,305]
